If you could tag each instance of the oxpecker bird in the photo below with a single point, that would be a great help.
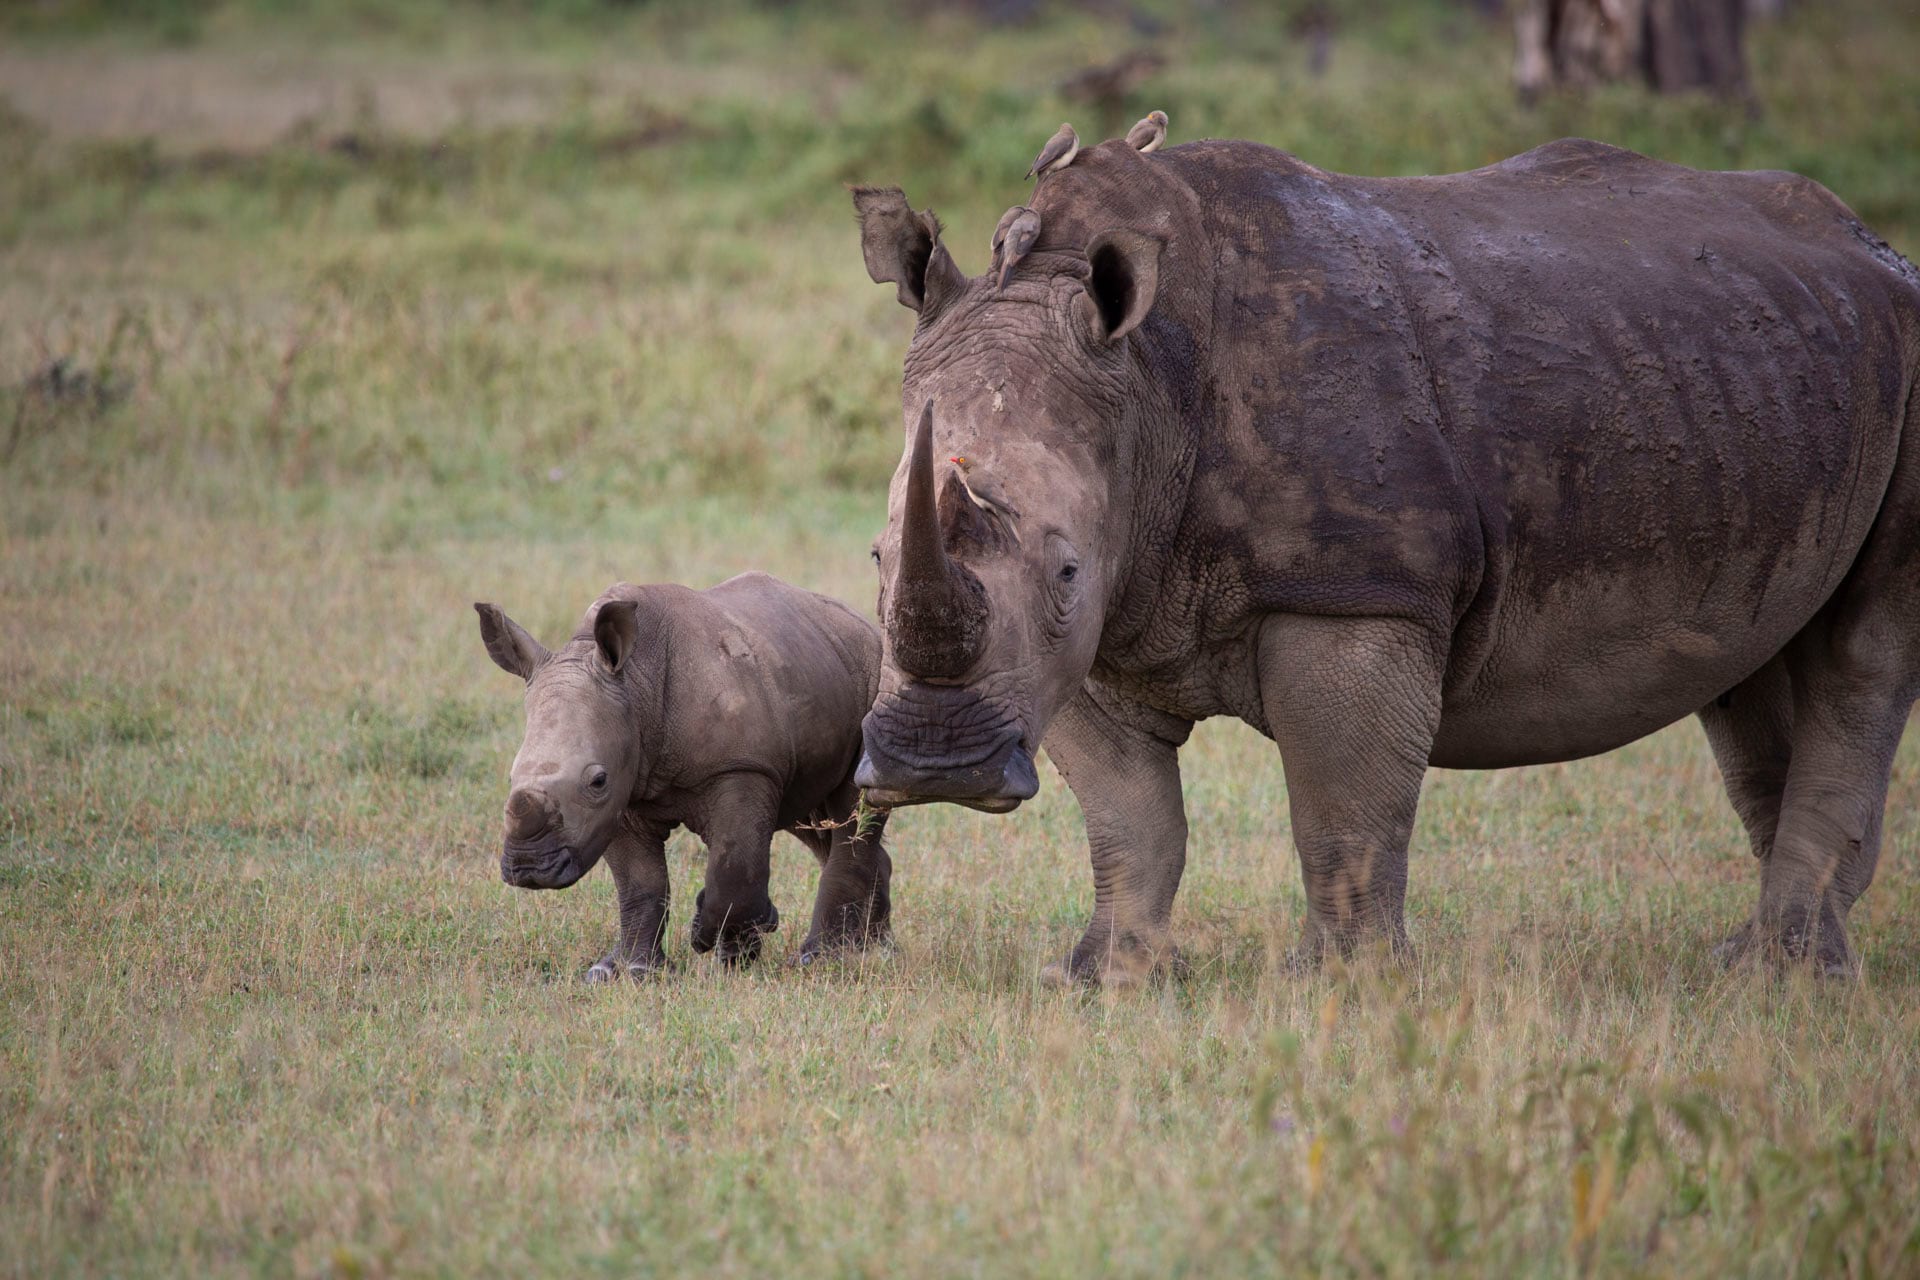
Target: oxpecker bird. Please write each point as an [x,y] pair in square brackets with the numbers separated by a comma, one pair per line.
[986,494]
[1002,227]
[1059,152]
[1013,239]
[1149,133]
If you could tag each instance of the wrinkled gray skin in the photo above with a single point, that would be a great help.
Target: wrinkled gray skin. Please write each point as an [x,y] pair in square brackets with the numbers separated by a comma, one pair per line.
[1488,469]
[734,712]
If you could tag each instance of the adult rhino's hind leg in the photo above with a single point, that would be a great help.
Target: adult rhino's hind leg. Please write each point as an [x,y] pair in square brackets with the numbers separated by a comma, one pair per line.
[638,860]
[1848,718]
[1353,704]
[1121,761]
[1854,683]
[854,906]
[1750,728]
[1856,673]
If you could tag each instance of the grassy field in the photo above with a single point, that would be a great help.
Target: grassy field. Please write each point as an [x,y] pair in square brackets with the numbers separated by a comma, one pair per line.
[375,311]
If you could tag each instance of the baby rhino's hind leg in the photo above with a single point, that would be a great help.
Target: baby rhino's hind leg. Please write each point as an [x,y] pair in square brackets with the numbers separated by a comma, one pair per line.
[853,907]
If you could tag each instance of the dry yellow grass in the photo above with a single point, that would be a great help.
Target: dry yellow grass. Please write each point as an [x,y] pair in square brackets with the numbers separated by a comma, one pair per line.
[265,1006]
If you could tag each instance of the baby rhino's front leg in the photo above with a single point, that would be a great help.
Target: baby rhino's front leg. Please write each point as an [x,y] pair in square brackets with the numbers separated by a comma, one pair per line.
[733,912]
[638,860]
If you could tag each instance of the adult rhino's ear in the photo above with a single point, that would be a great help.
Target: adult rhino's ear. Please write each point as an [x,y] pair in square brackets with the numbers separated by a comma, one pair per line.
[1123,275]
[616,632]
[903,248]
[507,642]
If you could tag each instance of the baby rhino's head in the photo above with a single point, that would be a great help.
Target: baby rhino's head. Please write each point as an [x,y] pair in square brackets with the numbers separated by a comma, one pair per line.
[577,764]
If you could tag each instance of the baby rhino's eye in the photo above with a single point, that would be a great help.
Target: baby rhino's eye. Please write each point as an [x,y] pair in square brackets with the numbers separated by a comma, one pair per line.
[598,781]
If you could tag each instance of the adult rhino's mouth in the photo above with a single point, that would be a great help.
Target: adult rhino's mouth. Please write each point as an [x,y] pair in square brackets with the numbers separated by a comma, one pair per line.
[930,743]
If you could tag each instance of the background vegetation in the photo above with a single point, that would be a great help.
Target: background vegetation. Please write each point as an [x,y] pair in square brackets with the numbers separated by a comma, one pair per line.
[318,323]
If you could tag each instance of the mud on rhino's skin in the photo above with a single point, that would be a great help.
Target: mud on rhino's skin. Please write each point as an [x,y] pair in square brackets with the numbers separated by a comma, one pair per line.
[1487,469]
[734,712]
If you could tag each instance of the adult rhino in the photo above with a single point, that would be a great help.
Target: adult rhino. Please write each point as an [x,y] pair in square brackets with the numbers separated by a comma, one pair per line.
[1489,469]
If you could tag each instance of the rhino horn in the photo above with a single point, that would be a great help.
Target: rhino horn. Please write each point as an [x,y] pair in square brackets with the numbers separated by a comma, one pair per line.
[526,815]
[938,618]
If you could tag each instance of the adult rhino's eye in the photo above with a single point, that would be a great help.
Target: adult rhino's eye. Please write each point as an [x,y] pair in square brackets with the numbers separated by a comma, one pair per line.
[875,553]
[1069,571]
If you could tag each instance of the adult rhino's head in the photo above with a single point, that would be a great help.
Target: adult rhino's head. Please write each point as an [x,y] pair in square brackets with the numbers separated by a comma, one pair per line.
[577,764]
[998,573]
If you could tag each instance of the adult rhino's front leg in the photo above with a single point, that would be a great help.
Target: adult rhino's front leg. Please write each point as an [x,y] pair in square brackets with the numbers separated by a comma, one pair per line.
[1353,704]
[1121,760]
[638,859]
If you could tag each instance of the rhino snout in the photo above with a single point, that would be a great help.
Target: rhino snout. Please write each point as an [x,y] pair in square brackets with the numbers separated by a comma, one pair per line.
[924,743]
[552,869]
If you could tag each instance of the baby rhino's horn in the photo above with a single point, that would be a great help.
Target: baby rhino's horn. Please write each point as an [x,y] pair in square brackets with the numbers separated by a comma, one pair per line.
[526,816]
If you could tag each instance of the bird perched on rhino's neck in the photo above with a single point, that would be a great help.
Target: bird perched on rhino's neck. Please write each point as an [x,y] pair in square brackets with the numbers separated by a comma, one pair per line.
[986,494]
[1005,225]
[1149,134]
[1013,239]
[1059,152]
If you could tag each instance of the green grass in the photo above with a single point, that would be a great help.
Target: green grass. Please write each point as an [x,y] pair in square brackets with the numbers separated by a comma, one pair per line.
[385,309]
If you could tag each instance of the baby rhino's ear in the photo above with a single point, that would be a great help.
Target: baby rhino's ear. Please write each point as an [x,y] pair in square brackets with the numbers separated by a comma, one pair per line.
[616,630]
[507,642]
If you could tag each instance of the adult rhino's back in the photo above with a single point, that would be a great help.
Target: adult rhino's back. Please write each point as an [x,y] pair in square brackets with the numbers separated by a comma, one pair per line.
[1671,399]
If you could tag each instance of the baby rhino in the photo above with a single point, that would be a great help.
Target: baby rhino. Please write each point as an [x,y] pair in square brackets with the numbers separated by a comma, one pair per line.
[734,712]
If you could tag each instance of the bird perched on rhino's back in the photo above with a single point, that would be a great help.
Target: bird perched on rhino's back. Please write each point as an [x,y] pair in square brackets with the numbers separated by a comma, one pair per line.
[1013,240]
[1059,152]
[1150,133]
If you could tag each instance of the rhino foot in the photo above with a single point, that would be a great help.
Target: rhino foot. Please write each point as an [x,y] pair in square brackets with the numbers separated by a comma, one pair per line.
[1799,937]
[735,950]
[854,926]
[1116,967]
[1731,951]
[614,967]
[1383,942]
[821,947]
[1304,961]
[732,934]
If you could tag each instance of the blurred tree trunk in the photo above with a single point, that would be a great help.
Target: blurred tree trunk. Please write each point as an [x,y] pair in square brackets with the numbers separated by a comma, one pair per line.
[1674,45]
[1695,44]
